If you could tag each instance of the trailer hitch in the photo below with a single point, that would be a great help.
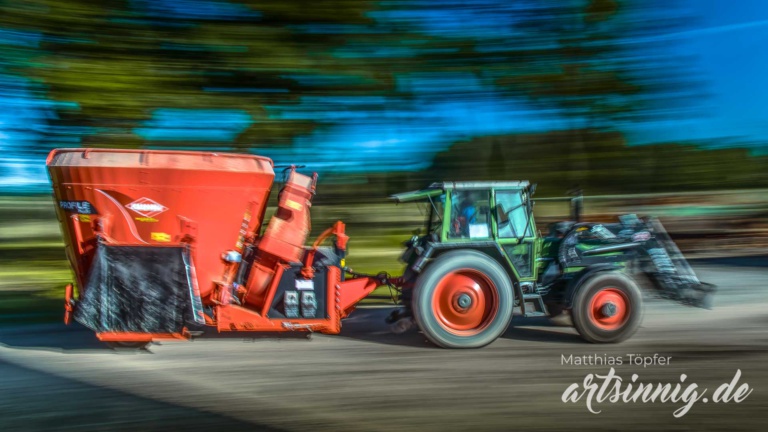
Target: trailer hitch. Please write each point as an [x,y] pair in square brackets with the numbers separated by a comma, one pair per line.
[383,277]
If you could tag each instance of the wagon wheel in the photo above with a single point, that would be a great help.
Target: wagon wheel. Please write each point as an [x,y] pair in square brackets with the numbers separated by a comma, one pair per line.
[464,299]
[607,308]
[124,345]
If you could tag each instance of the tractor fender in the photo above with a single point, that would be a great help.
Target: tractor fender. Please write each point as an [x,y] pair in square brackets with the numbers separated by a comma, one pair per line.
[582,276]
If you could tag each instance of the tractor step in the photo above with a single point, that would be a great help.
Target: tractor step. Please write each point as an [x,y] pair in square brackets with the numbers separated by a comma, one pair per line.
[535,314]
[533,305]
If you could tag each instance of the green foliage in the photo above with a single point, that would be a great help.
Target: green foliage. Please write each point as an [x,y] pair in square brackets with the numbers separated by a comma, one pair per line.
[117,65]
[614,166]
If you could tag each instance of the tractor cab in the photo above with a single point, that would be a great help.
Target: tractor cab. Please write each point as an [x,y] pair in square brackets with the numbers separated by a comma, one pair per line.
[478,215]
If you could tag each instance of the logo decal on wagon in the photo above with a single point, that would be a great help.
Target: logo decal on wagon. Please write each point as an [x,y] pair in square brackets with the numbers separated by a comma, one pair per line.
[146,207]
[82,207]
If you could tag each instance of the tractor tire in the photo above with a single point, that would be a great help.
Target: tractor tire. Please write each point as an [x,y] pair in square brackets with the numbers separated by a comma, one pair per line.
[607,308]
[464,299]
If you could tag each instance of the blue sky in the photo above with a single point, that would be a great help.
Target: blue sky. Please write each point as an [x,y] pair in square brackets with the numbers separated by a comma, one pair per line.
[728,47]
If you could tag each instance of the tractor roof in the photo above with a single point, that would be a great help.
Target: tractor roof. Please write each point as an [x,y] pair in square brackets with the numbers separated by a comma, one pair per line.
[438,188]
[482,185]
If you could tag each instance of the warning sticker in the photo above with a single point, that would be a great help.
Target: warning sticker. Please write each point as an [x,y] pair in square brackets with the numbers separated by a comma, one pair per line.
[293,204]
[160,237]
[302,284]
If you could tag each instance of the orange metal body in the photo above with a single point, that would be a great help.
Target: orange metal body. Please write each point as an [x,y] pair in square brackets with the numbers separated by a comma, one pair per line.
[139,337]
[214,203]
[157,198]
[287,231]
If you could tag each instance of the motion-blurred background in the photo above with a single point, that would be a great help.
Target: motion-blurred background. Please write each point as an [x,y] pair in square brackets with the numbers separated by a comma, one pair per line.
[648,106]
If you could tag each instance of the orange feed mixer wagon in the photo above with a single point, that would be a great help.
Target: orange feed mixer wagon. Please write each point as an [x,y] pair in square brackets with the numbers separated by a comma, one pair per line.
[162,242]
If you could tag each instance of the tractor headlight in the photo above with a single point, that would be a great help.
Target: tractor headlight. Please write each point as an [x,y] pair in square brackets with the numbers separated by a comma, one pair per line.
[413,241]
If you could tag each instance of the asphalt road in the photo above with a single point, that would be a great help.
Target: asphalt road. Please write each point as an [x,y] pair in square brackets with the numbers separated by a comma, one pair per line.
[54,377]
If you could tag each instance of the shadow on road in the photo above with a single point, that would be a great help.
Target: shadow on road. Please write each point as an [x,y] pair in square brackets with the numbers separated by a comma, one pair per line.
[368,325]
[540,329]
[75,337]
[365,325]
[51,336]
[63,400]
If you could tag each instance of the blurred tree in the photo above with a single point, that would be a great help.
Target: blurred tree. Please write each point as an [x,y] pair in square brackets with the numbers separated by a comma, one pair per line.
[615,167]
[266,72]
[601,70]
[496,165]
[116,62]
[593,65]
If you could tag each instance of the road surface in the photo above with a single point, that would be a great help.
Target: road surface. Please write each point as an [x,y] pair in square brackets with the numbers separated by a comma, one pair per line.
[54,377]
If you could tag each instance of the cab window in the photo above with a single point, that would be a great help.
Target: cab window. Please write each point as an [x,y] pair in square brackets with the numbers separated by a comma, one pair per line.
[470,215]
[512,211]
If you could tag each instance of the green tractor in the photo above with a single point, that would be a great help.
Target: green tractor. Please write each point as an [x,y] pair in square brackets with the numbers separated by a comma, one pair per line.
[481,257]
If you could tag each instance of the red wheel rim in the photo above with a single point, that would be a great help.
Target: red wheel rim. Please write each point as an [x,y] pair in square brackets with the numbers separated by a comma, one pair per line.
[609,309]
[465,302]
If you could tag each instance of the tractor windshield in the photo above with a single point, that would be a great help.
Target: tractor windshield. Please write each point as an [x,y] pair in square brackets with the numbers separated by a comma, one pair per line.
[514,216]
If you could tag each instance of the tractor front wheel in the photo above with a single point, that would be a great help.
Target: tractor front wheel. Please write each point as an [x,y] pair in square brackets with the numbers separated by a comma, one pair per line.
[464,299]
[607,308]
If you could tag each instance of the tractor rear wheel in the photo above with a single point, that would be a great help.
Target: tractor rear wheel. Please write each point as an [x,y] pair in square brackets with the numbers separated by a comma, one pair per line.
[464,299]
[607,308]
